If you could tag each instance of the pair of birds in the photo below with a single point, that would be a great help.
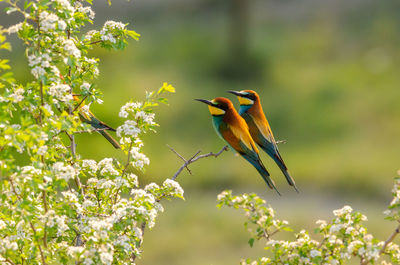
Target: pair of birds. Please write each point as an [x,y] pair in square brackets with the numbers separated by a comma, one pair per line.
[244,129]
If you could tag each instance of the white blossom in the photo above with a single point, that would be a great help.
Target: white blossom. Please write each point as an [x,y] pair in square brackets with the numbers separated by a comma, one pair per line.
[177,189]
[315,253]
[146,117]
[47,21]
[106,258]
[107,168]
[62,171]
[2,224]
[14,28]
[129,107]
[128,128]
[38,71]
[345,210]
[70,48]
[139,159]
[90,164]
[42,150]
[61,25]
[60,92]
[17,96]
[86,10]
[65,4]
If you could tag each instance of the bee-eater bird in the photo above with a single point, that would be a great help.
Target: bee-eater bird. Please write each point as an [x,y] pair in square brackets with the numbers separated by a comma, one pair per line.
[88,117]
[233,129]
[253,114]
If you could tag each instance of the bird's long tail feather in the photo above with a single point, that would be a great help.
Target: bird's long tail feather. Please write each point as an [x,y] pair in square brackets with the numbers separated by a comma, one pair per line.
[263,172]
[278,160]
[110,139]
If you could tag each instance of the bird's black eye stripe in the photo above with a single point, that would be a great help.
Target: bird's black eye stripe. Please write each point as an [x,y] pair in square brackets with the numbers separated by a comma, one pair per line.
[220,106]
[250,96]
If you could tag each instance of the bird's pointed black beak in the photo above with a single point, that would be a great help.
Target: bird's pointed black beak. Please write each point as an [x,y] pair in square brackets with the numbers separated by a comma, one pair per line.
[236,93]
[205,101]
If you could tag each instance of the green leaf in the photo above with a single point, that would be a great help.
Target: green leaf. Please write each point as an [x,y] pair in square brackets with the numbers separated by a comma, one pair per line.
[163,100]
[251,242]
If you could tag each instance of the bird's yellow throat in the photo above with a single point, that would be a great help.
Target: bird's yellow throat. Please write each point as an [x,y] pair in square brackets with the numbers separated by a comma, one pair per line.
[215,111]
[245,101]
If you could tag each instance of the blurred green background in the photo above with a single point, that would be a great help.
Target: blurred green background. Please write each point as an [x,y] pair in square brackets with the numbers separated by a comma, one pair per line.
[328,76]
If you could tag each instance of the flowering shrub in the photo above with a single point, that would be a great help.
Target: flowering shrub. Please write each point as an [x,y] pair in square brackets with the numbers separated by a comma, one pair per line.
[342,238]
[57,208]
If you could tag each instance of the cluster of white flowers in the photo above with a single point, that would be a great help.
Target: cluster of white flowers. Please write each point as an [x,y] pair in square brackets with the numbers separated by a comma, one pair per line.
[176,189]
[17,95]
[63,171]
[132,179]
[139,159]
[15,28]
[85,10]
[50,22]
[85,87]
[61,92]
[124,242]
[75,252]
[145,117]
[2,224]
[89,35]
[90,164]
[70,48]
[151,187]
[107,31]
[106,258]
[107,168]
[66,5]
[128,129]
[7,244]
[130,107]
[42,150]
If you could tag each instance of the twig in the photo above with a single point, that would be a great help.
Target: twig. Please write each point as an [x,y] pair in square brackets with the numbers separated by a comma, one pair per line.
[9,261]
[281,142]
[181,157]
[390,239]
[195,158]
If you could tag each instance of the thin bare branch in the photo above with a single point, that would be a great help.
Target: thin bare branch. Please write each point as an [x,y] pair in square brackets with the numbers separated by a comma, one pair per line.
[390,239]
[181,157]
[194,158]
[281,142]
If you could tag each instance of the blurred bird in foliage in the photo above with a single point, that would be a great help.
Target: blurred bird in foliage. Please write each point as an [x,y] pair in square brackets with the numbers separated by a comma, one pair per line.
[253,114]
[88,117]
[234,130]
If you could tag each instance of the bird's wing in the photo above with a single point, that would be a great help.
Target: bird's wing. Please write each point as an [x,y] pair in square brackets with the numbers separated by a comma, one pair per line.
[239,139]
[261,133]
